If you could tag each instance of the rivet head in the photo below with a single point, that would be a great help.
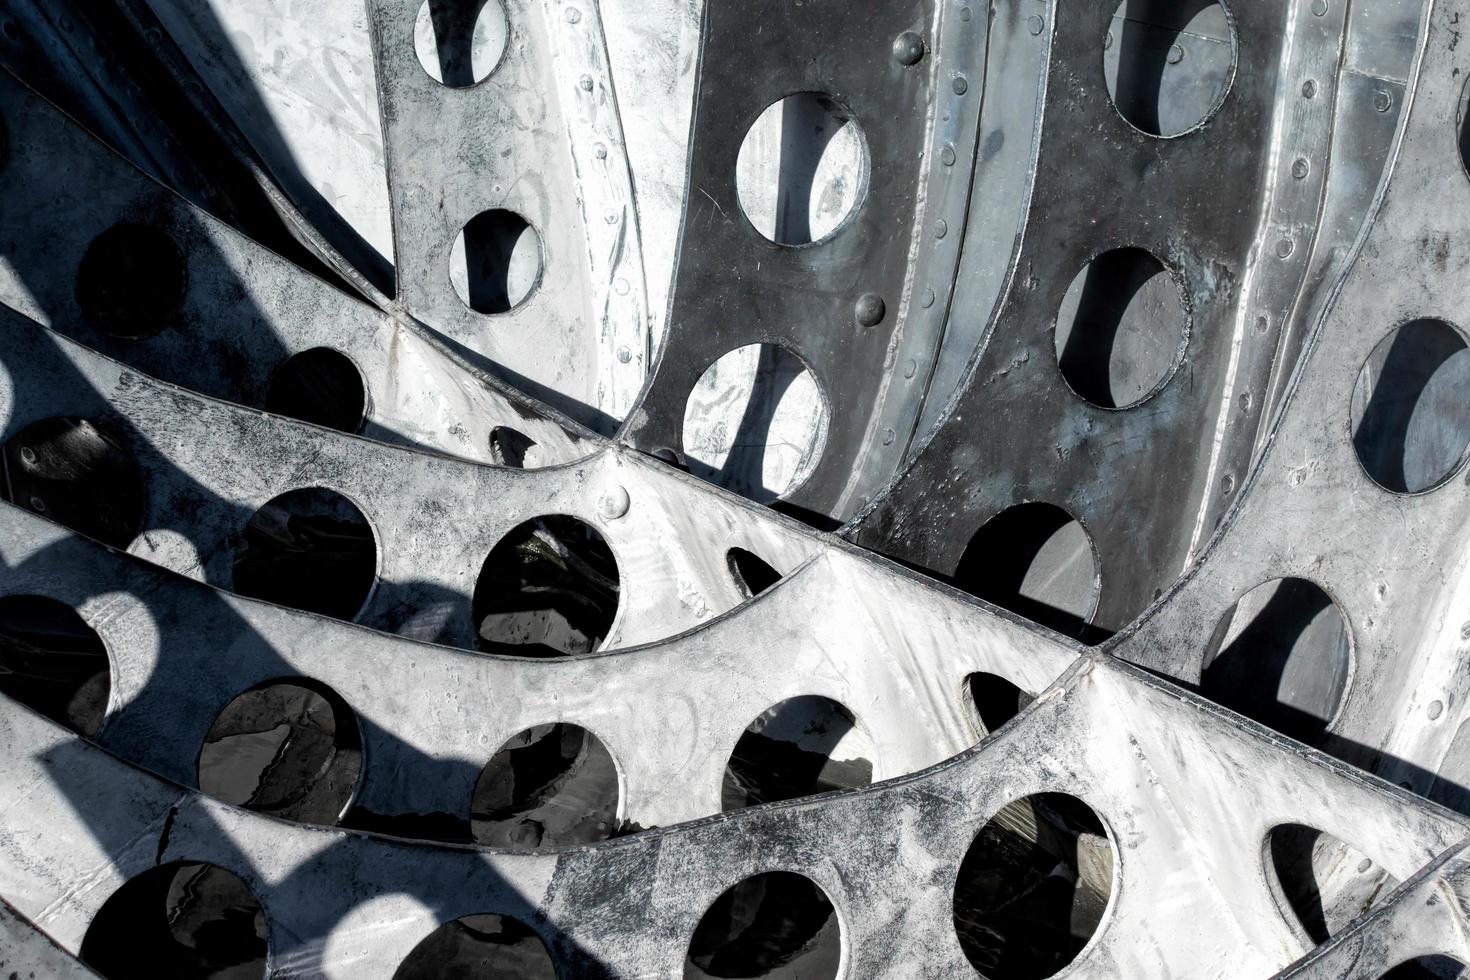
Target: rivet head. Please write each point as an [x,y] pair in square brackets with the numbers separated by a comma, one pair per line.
[624,355]
[888,436]
[1284,248]
[911,369]
[926,300]
[38,505]
[1263,323]
[1309,89]
[586,83]
[869,310]
[1300,168]
[614,503]
[1319,7]
[1227,485]
[941,228]
[600,151]
[573,15]
[1382,101]
[1034,24]
[1176,54]
[1364,866]
[961,85]
[28,455]
[1436,708]
[908,48]
[946,155]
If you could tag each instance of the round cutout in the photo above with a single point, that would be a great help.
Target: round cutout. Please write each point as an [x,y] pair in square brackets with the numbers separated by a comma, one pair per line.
[1036,560]
[1435,967]
[777,924]
[511,447]
[799,747]
[321,386]
[52,662]
[190,920]
[548,589]
[751,574]
[1281,655]
[1167,64]
[1033,887]
[77,473]
[310,549]
[496,262]
[485,945]
[288,748]
[756,423]
[1409,421]
[802,170]
[550,785]
[131,281]
[994,700]
[1121,329]
[460,42]
[1326,883]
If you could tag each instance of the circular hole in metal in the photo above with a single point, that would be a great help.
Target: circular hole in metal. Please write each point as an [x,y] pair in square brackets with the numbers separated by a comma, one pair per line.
[131,281]
[484,945]
[1036,560]
[193,921]
[756,422]
[79,474]
[309,549]
[1121,329]
[798,747]
[1168,64]
[802,170]
[460,42]
[53,662]
[1409,419]
[1325,882]
[776,924]
[321,386]
[548,589]
[1434,967]
[751,574]
[511,447]
[549,785]
[994,700]
[495,263]
[289,748]
[1281,655]
[1033,887]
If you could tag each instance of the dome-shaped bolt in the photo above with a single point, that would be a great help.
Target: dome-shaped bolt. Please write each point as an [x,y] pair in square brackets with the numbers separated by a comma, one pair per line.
[1382,101]
[28,456]
[614,503]
[38,505]
[869,310]
[908,48]
[1300,168]
[961,85]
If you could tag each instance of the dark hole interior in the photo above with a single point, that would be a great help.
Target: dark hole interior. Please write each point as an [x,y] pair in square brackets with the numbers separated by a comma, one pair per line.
[485,945]
[53,662]
[1012,562]
[1410,429]
[309,549]
[1033,887]
[1327,883]
[788,752]
[772,925]
[321,386]
[752,575]
[996,699]
[1167,67]
[131,281]
[508,447]
[1287,664]
[179,920]
[549,785]
[490,239]
[1435,967]
[287,748]
[76,473]
[454,32]
[548,589]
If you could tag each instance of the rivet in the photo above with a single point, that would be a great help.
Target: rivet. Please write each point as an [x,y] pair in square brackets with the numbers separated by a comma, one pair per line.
[586,82]
[1364,865]
[573,15]
[961,85]
[1263,323]
[620,286]
[614,503]
[1034,24]
[887,437]
[911,368]
[1300,168]
[38,504]
[1436,708]
[946,155]
[1227,485]
[1319,7]
[908,48]
[28,455]
[600,151]
[869,310]
[1309,89]
[1245,401]
[624,355]
[1382,101]
[927,299]
[1284,248]
[1176,54]
[965,14]
[941,228]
